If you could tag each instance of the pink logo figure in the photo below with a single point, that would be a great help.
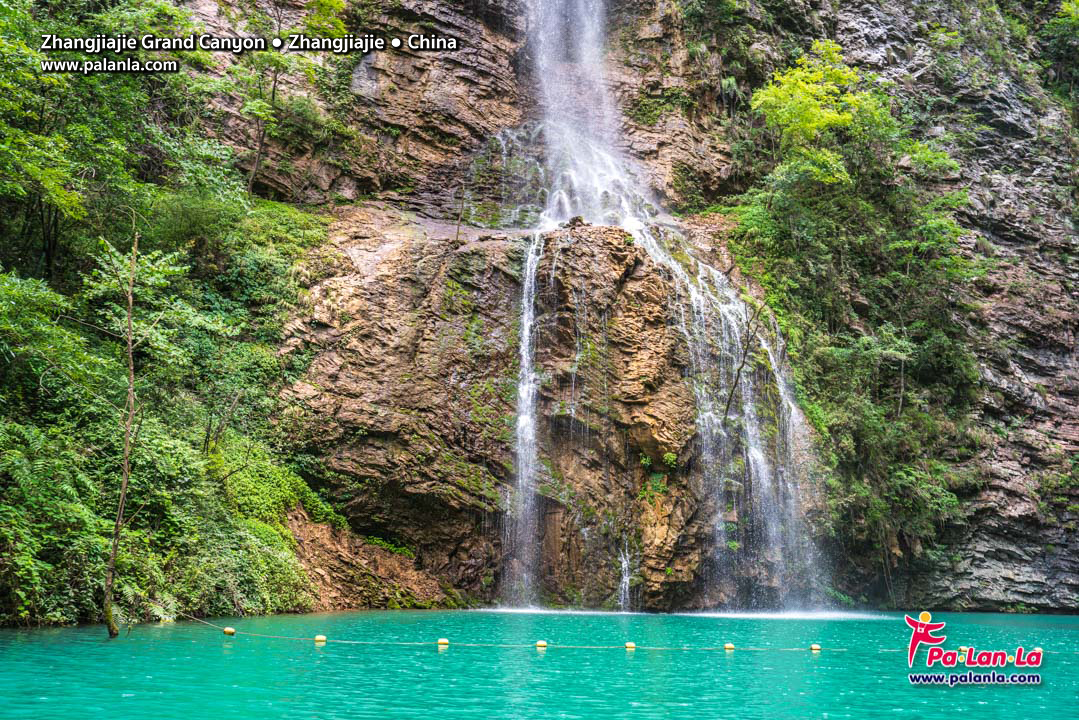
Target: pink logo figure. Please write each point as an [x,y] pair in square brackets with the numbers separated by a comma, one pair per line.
[922,632]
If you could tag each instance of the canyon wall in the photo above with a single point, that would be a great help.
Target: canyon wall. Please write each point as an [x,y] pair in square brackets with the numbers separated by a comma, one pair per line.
[412,315]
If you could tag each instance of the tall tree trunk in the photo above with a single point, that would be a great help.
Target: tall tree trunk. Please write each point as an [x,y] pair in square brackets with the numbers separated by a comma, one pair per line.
[129,420]
[261,145]
[258,158]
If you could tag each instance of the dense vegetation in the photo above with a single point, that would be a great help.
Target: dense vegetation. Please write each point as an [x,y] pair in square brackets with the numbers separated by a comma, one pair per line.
[1060,37]
[87,163]
[852,236]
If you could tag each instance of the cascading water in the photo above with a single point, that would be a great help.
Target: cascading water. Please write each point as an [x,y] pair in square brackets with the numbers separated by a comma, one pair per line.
[625,577]
[523,525]
[749,474]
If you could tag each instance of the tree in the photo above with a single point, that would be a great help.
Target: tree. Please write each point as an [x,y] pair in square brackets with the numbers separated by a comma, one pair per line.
[70,144]
[128,276]
[324,18]
[1060,43]
[261,102]
[36,165]
[259,76]
[130,410]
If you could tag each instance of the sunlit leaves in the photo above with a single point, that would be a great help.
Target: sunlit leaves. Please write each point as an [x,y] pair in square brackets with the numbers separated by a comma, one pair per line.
[812,98]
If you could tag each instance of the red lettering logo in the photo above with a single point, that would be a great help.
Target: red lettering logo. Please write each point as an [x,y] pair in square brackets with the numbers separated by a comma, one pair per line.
[922,632]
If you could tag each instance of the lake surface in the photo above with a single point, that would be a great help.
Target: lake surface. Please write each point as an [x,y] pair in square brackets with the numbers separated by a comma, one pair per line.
[189,670]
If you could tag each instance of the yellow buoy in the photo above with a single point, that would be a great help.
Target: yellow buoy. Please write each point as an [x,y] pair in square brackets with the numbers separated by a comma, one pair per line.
[443,641]
[631,646]
[319,639]
[541,644]
[815,647]
[728,646]
[230,631]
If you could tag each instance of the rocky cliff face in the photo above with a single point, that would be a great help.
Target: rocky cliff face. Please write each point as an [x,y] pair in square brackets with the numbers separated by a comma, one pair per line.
[350,573]
[410,397]
[413,322]
[410,394]
[398,121]
[1018,546]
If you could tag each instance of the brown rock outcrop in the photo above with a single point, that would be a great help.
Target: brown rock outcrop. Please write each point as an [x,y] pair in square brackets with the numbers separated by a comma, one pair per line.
[411,399]
[400,120]
[410,393]
[349,573]
[411,396]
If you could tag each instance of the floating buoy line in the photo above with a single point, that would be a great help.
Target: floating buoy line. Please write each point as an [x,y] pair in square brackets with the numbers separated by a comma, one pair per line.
[443,643]
[540,645]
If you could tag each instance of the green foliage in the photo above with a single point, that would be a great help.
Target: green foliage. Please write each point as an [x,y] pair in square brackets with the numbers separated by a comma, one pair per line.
[653,487]
[392,547]
[261,489]
[31,163]
[324,18]
[687,183]
[811,99]
[857,252]
[839,598]
[670,460]
[38,354]
[1060,49]
[76,150]
[701,14]
[648,109]
[86,161]
[47,527]
[205,529]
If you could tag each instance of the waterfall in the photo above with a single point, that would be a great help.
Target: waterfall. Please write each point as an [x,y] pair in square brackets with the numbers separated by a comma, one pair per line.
[749,471]
[522,529]
[625,576]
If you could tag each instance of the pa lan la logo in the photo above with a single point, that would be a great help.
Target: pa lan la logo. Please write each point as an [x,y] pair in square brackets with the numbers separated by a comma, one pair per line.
[922,633]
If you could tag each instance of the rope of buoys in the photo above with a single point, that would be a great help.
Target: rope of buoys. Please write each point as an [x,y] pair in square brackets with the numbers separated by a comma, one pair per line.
[541,645]
[444,642]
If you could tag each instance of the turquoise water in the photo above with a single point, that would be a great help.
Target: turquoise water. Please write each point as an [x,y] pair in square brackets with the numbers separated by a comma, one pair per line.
[188,670]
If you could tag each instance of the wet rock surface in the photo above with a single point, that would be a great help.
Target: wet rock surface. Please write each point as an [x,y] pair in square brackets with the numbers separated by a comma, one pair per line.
[613,392]
[410,397]
[412,322]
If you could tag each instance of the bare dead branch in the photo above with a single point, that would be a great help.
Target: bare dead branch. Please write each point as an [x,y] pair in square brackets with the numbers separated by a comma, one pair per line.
[747,342]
